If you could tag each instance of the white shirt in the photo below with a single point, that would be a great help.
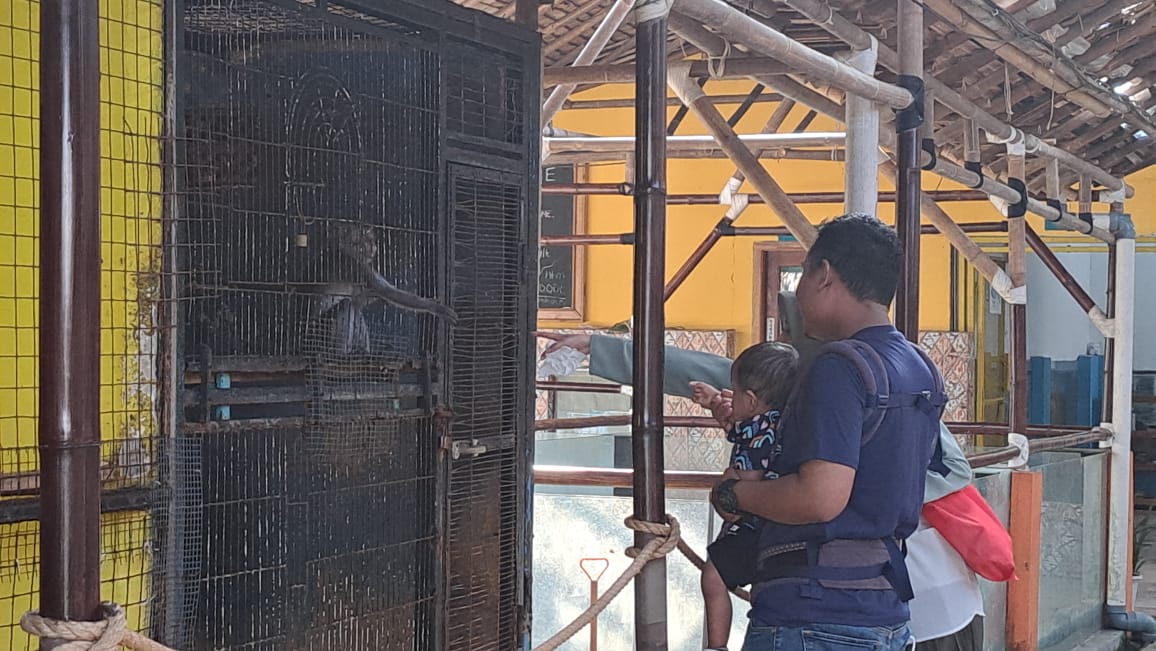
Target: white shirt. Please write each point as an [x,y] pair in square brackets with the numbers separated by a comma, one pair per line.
[947,595]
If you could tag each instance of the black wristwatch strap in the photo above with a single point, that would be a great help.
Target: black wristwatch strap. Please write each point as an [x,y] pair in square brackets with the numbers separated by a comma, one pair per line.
[725,497]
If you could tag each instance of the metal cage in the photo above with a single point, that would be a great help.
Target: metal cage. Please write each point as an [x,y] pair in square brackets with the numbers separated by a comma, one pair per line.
[348,472]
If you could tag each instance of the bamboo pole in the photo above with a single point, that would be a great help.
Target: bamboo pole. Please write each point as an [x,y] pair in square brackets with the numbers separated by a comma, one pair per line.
[943,167]
[834,154]
[693,97]
[908,166]
[623,144]
[1016,246]
[602,35]
[647,431]
[745,30]
[69,423]
[628,102]
[623,73]
[703,199]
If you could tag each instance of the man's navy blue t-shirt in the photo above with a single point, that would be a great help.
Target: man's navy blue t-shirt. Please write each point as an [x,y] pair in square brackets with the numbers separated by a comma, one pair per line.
[825,422]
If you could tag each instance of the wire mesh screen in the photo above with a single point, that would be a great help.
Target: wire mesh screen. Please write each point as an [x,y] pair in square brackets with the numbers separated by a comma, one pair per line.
[318,323]
[131,111]
[491,400]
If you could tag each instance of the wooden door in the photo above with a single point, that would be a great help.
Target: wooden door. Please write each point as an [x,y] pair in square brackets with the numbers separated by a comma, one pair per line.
[778,267]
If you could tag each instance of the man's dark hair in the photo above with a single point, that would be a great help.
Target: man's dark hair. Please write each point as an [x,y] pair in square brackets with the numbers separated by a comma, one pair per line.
[768,369]
[864,251]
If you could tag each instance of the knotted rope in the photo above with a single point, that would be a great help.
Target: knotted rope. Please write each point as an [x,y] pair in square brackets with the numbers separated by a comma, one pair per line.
[112,632]
[108,634]
[667,537]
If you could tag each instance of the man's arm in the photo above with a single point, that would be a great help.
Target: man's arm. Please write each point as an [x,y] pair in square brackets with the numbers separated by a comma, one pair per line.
[817,493]
[612,358]
[820,450]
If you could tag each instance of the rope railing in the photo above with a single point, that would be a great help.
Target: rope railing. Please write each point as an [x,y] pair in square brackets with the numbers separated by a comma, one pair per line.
[666,538]
[108,634]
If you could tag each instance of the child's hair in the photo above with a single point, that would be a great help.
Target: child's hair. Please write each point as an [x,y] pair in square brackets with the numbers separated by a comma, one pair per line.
[768,369]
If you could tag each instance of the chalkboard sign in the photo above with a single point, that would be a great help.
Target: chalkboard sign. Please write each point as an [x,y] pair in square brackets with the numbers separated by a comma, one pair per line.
[561,269]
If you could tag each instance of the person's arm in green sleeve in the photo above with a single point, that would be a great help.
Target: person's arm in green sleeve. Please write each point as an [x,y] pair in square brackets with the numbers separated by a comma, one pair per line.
[612,358]
[937,485]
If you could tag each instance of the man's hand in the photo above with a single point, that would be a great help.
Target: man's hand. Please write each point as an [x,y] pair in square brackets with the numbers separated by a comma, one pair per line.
[729,473]
[579,342]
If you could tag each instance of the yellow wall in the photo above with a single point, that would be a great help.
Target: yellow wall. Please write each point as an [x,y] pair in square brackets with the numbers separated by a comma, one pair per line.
[131,94]
[718,295]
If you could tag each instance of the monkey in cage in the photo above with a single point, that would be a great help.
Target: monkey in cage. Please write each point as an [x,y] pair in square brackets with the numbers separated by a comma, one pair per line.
[343,304]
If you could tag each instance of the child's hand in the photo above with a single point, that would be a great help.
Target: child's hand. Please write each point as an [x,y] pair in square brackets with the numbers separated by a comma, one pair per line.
[722,409]
[704,395]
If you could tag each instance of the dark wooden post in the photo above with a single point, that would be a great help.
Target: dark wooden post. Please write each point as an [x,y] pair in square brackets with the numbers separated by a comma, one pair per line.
[649,313]
[69,424]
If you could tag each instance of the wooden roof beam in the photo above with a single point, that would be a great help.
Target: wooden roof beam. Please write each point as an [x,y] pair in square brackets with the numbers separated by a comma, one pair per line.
[838,25]
[1064,12]
[1088,24]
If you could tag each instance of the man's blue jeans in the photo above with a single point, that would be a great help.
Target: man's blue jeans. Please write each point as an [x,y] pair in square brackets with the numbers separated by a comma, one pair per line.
[828,637]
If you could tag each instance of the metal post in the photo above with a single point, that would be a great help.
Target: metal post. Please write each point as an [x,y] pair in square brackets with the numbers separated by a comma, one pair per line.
[69,425]
[910,174]
[649,313]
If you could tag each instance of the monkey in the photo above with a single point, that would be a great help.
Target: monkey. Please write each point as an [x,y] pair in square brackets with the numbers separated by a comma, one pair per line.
[357,242]
[344,302]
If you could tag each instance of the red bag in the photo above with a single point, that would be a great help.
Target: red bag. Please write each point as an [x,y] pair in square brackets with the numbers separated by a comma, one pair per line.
[969,525]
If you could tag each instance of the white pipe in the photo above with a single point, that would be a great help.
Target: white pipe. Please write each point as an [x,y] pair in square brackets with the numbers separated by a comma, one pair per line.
[602,35]
[768,140]
[861,172]
[1120,480]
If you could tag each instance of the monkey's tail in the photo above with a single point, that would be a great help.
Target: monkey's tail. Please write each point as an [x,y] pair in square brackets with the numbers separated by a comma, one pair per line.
[390,293]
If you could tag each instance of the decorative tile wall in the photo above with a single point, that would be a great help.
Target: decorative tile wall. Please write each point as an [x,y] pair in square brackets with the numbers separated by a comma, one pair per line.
[954,354]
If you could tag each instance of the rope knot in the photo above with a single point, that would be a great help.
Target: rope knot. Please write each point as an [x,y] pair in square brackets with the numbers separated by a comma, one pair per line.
[103,635]
[716,66]
[108,634]
[666,537]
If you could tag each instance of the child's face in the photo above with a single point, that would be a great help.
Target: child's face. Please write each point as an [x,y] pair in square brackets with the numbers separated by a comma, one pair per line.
[745,403]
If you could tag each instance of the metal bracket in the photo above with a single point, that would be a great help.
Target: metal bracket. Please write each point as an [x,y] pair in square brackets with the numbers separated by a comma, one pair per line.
[1113,196]
[1107,443]
[647,10]
[1021,443]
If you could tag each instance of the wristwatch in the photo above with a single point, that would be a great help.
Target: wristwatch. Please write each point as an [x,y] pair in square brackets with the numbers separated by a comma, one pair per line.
[725,498]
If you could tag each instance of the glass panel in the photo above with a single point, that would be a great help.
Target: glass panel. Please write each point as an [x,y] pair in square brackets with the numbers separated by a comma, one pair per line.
[1072,546]
[568,528]
[789,278]
[996,489]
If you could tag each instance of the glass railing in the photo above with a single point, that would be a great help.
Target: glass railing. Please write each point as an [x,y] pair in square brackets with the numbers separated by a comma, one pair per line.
[587,523]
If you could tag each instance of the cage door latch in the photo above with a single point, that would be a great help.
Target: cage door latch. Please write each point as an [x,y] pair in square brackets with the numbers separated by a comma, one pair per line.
[467,449]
